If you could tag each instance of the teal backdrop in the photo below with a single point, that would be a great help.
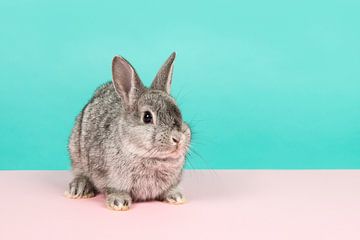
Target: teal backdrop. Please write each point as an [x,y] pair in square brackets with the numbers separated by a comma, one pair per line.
[265,84]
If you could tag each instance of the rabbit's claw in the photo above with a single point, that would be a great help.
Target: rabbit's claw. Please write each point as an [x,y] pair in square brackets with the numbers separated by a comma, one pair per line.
[118,201]
[175,198]
[80,187]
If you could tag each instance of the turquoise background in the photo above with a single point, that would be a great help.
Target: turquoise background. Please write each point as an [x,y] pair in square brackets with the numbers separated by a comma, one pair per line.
[265,84]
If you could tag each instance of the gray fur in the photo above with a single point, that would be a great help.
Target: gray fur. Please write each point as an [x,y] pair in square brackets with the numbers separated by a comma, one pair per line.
[114,152]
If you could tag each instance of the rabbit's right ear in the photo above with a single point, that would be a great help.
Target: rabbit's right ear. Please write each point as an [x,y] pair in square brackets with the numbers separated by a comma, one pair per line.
[126,81]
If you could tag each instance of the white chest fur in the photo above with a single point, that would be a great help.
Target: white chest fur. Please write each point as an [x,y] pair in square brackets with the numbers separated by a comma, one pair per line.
[153,177]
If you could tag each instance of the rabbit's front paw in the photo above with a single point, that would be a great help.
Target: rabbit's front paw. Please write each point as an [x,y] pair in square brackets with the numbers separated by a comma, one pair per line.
[118,201]
[81,187]
[174,197]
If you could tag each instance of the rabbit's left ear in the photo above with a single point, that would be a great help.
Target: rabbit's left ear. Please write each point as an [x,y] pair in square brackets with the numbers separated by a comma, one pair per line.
[163,78]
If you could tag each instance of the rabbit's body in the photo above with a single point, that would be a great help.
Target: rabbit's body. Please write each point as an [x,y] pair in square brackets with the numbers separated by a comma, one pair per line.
[113,151]
[100,151]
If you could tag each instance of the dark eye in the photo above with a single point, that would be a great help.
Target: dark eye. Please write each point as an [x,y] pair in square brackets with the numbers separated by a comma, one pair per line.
[147,117]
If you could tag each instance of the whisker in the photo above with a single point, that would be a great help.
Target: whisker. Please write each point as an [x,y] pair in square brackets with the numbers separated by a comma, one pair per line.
[211,170]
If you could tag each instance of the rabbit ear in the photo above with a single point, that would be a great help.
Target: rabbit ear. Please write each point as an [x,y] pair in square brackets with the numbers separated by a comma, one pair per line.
[126,81]
[163,78]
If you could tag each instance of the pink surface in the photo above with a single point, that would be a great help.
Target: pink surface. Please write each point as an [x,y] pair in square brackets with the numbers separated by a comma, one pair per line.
[221,205]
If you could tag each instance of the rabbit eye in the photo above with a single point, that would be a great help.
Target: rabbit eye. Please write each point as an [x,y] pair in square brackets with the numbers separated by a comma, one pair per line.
[147,117]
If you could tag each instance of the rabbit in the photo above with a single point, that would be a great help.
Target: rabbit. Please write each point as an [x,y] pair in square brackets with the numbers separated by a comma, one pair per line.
[130,142]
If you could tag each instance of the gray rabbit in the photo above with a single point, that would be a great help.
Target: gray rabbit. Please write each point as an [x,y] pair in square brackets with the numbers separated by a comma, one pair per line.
[129,141]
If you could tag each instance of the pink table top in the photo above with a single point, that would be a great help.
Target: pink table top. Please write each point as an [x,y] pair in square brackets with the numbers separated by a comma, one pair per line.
[236,204]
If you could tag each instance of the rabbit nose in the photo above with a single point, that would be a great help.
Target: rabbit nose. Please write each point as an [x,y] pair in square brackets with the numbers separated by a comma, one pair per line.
[175,139]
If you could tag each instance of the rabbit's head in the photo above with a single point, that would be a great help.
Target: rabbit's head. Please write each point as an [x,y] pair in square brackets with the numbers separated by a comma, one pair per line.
[152,122]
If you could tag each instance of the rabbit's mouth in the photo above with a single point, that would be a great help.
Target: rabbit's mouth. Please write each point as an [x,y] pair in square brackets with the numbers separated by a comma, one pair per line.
[177,152]
[172,153]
